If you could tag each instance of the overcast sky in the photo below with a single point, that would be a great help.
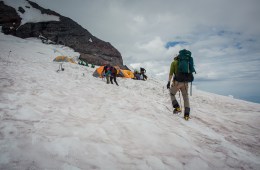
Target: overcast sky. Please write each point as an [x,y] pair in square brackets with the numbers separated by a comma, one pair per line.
[223,36]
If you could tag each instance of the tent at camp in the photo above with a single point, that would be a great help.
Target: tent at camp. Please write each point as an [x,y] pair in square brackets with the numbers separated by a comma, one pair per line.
[121,73]
[98,71]
[126,73]
[64,59]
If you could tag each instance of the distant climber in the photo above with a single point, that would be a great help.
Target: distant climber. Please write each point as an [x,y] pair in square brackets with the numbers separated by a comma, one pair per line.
[136,75]
[142,73]
[106,72]
[113,75]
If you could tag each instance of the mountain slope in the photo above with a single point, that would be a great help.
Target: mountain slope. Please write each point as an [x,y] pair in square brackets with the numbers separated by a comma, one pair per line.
[71,120]
[27,19]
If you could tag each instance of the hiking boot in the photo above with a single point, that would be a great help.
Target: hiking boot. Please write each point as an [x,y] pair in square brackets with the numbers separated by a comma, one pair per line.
[187,113]
[177,110]
[186,117]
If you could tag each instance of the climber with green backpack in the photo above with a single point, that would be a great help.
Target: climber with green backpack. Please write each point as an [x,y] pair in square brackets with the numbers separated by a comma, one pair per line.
[183,68]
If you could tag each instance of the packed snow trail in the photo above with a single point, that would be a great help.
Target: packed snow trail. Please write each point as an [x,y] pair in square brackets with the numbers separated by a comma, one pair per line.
[72,120]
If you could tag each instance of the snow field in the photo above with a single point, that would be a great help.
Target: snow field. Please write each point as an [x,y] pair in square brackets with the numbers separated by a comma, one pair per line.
[72,120]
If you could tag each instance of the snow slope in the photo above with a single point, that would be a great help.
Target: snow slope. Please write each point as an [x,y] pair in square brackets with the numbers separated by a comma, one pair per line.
[72,120]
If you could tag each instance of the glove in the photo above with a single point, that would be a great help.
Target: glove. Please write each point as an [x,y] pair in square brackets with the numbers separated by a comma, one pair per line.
[168,85]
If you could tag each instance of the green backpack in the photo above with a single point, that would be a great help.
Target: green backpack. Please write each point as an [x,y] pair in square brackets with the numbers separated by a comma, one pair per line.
[185,67]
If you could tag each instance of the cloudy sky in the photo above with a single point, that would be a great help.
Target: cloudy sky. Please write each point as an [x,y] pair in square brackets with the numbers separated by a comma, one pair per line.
[223,36]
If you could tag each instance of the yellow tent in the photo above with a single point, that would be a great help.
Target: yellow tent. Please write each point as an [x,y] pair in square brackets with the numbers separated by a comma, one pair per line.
[64,59]
[127,73]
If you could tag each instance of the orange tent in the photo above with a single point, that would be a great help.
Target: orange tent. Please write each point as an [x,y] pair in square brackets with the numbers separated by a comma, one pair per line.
[98,71]
[121,73]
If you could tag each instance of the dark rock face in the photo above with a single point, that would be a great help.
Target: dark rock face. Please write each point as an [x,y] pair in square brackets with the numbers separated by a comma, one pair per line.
[9,19]
[21,10]
[66,32]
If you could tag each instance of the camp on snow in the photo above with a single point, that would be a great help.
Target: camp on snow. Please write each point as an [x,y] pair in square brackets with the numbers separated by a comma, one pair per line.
[121,72]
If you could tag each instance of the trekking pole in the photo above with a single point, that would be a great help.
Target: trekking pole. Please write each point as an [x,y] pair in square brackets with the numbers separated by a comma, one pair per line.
[8,57]
[180,99]
[163,90]
[62,69]
[191,89]
[58,69]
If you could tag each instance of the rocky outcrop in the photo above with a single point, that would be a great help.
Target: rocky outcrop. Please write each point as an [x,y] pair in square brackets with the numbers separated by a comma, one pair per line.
[66,32]
[9,19]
